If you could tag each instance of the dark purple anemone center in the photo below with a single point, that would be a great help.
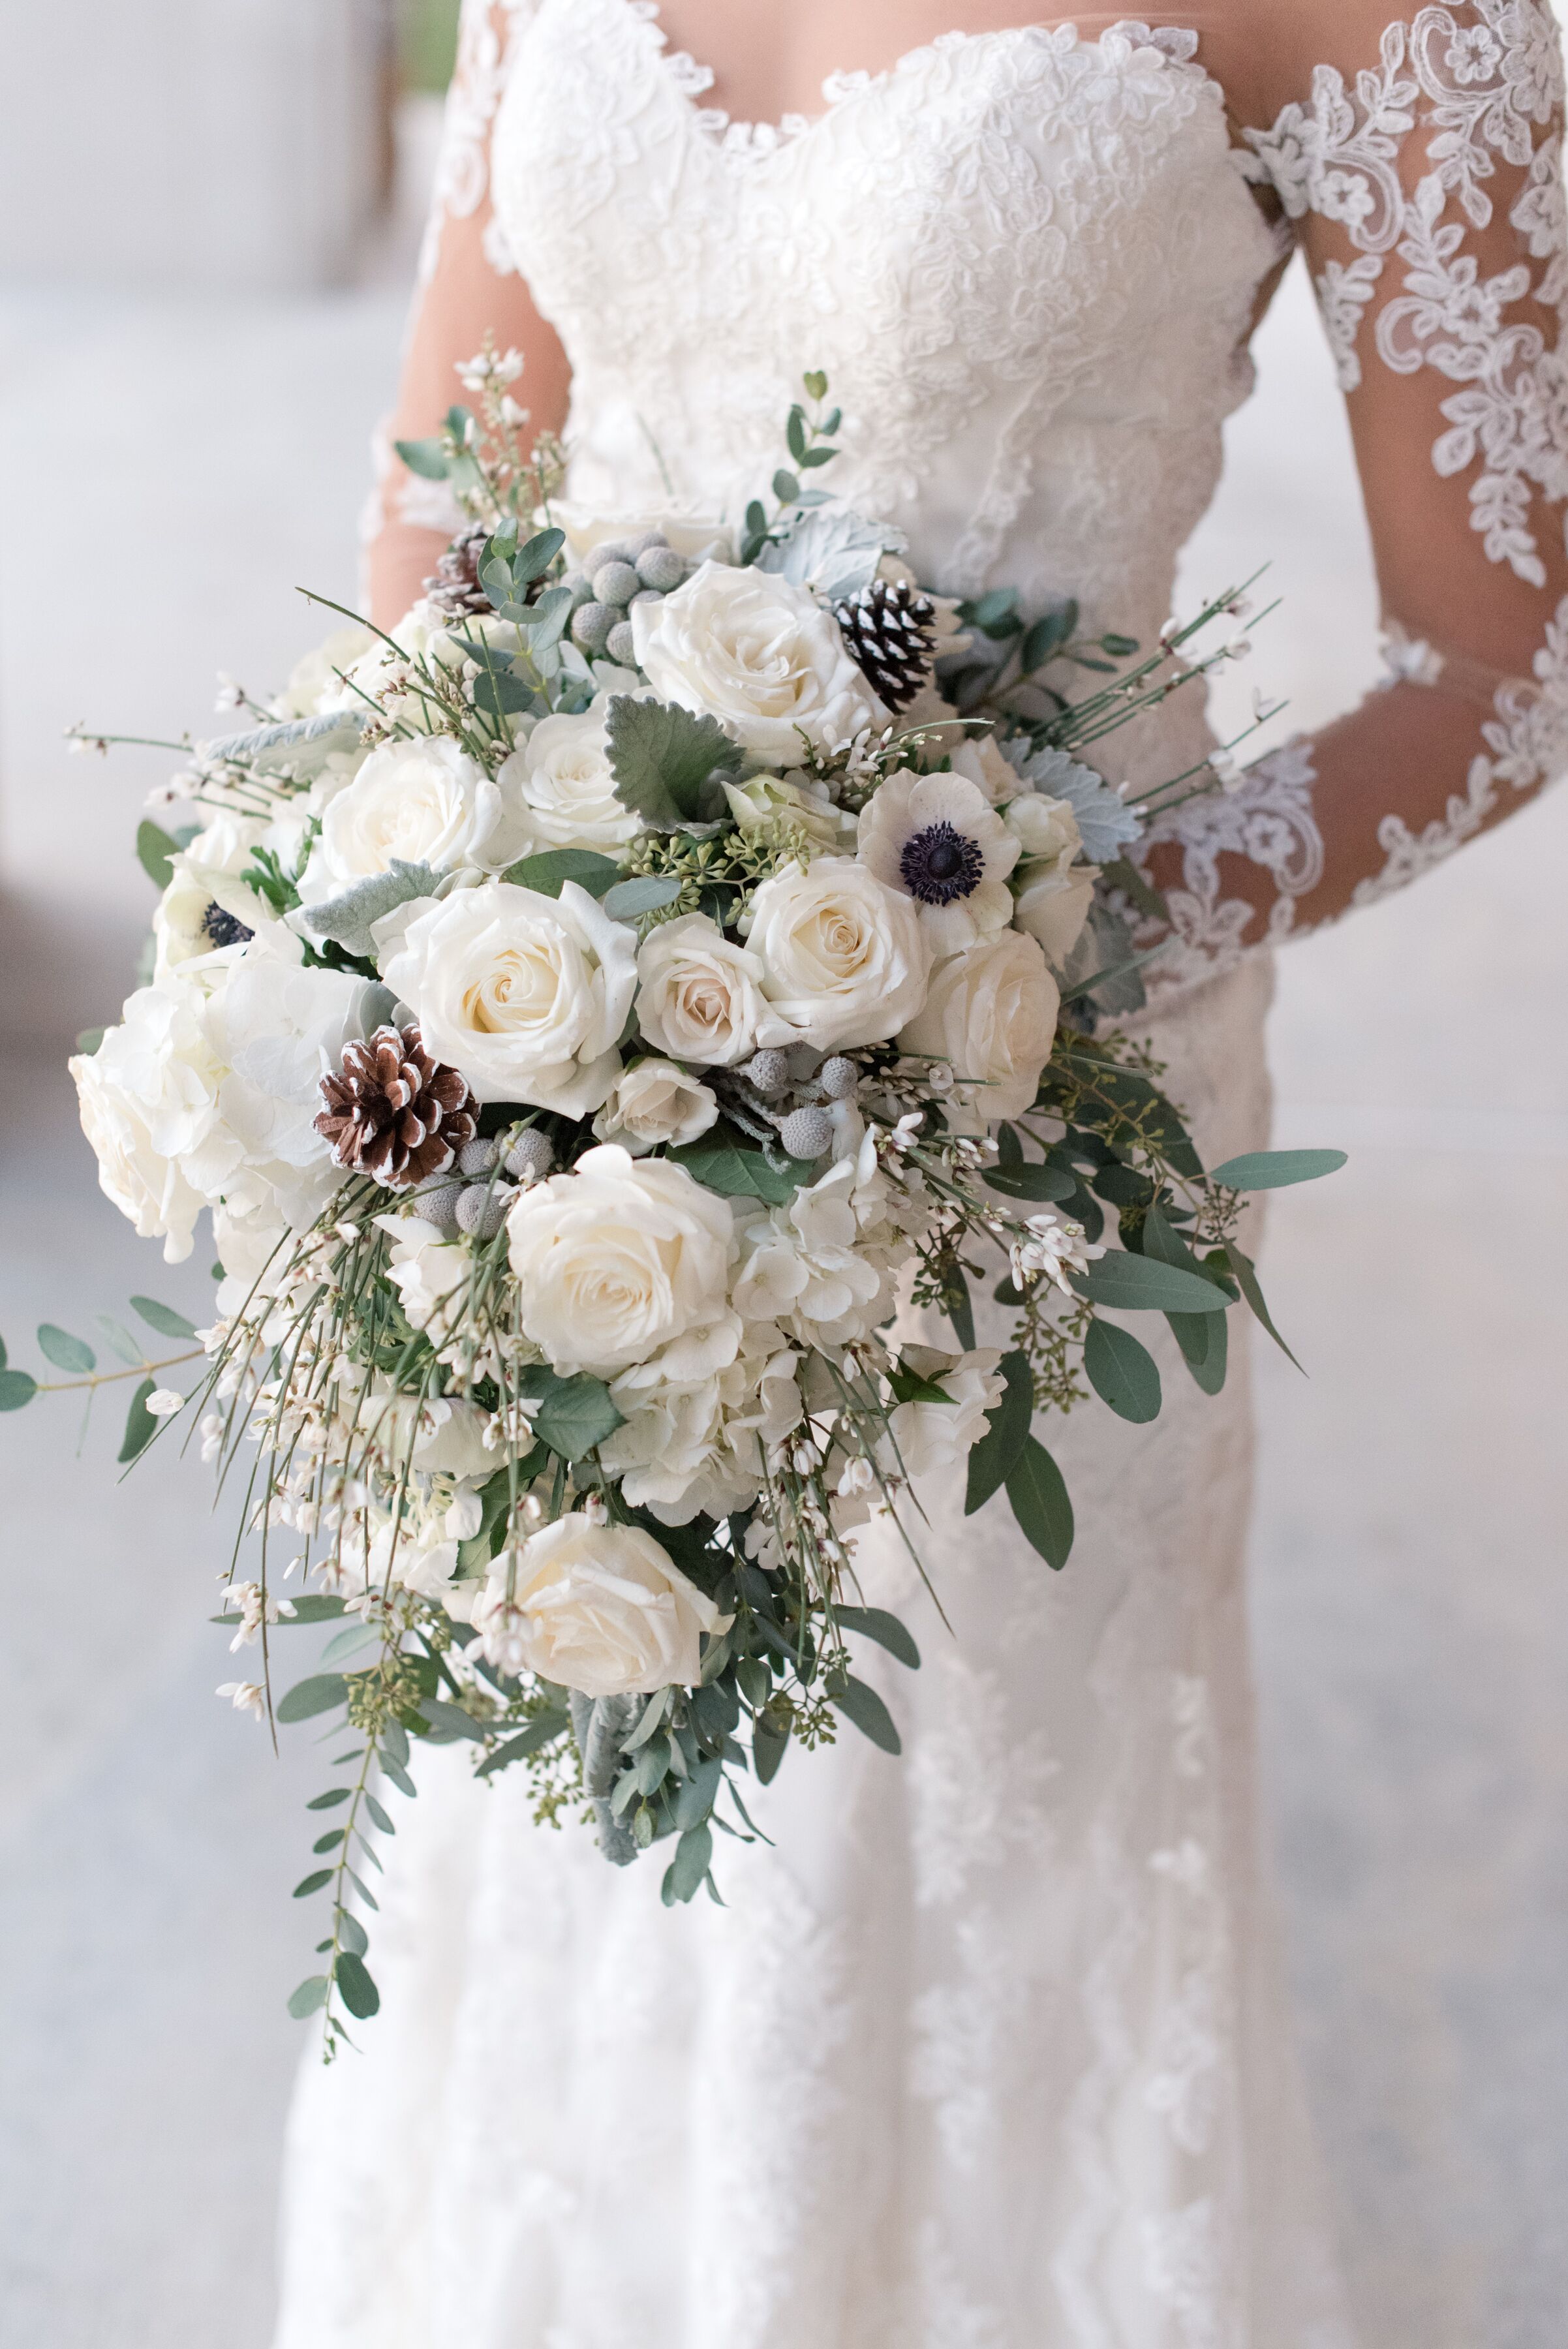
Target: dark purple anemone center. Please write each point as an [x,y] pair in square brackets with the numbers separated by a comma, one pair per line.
[940,864]
[224,929]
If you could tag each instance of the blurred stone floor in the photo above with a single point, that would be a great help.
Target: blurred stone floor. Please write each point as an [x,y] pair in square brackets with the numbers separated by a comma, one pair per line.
[173,470]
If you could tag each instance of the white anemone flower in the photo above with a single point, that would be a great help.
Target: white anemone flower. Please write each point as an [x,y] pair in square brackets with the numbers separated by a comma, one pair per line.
[937,839]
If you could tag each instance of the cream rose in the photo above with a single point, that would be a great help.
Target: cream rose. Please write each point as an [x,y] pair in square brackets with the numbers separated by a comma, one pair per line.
[991,1013]
[655,1103]
[527,994]
[699,995]
[560,788]
[1052,906]
[1046,829]
[759,654]
[603,1609]
[419,803]
[617,1258]
[845,960]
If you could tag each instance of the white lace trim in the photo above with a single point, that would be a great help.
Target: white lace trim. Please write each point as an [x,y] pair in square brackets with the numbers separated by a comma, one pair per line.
[485,53]
[1486,84]
[1271,822]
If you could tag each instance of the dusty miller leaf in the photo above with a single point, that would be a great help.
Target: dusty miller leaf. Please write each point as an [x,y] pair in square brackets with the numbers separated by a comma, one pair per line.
[665,761]
[833,550]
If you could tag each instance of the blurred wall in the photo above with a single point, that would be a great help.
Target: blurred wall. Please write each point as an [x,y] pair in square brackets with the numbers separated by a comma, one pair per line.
[172,144]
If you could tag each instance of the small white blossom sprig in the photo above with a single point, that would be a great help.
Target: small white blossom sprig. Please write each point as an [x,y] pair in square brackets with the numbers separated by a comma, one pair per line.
[1054,1245]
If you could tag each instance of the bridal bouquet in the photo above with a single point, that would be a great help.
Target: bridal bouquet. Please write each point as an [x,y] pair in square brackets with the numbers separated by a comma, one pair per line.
[586,1012]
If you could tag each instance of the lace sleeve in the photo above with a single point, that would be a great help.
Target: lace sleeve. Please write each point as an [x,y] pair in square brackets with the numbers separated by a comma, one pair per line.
[468,286]
[1427,191]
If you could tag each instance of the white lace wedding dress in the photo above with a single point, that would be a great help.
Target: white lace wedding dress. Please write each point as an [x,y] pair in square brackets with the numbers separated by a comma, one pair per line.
[990,2052]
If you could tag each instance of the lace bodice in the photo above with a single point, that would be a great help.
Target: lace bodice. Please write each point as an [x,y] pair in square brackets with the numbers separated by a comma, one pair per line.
[1029,260]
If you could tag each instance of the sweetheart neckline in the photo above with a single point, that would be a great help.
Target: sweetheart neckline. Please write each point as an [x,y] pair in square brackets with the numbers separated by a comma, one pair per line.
[690,78]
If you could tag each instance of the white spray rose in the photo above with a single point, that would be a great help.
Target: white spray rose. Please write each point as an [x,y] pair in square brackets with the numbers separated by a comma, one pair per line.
[991,1013]
[617,1258]
[1046,829]
[527,994]
[419,803]
[653,1103]
[1052,906]
[925,1439]
[148,1107]
[603,1609]
[759,654]
[699,995]
[559,788]
[844,956]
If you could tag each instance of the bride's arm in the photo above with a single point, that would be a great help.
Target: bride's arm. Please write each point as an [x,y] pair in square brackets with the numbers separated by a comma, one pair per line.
[468,287]
[1424,173]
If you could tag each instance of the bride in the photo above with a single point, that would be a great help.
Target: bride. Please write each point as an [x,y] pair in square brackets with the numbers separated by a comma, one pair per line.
[989,2053]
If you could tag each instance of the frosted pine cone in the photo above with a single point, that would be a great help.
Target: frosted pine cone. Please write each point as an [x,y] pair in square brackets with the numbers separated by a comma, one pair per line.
[454,584]
[393,1112]
[889,629]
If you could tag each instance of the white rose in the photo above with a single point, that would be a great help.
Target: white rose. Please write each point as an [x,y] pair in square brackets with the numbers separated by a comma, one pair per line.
[527,994]
[1052,906]
[784,800]
[938,840]
[280,1026]
[617,1258]
[759,654]
[977,759]
[560,789]
[149,1105]
[599,1609]
[991,1014]
[699,995]
[845,959]
[655,1103]
[696,537]
[925,1439]
[316,677]
[1046,829]
[419,803]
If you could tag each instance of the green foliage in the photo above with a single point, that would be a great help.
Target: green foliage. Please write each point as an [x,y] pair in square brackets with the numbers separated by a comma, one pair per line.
[861,1705]
[1123,1372]
[725,1163]
[576,1416]
[548,873]
[320,1694]
[993,1458]
[140,1427]
[1028,1179]
[876,1623]
[1040,1503]
[16,1388]
[1273,1170]
[66,1352]
[358,1990]
[667,762]
[163,1317]
[687,1872]
[309,1997]
[155,851]
[1138,1284]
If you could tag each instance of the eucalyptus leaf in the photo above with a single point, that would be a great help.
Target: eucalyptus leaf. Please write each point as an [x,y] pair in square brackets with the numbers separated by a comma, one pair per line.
[431,459]
[154,851]
[861,1705]
[357,1634]
[1123,1372]
[356,1987]
[320,1694]
[1028,1179]
[628,900]
[547,874]
[574,1415]
[1040,1503]
[769,1747]
[379,1815]
[721,1162]
[310,1995]
[351,1934]
[543,1730]
[1203,1338]
[876,1623]
[1273,1170]
[18,1389]
[1247,1280]
[1139,1284]
[450,1719]
[312,1883]
[1007,1432]
[163,1317]
[140,1427]
[687,1872]
[121,1339]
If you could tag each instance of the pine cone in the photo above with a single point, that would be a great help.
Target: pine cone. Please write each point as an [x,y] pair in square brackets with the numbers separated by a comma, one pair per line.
[889,629]
[454,585]
[393,1112]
